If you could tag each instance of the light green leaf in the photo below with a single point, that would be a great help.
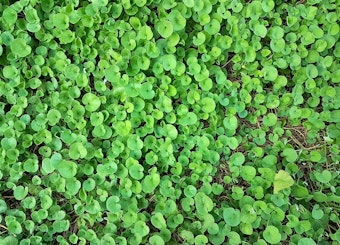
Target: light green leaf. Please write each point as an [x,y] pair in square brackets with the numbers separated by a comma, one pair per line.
[158,221]
[20,48]
[136,171]
[10,72]
[9,15]
[60,21]
[14,226]
[112,204]
[77,150]
[306,241]
[282,181]
[67,169]
[66,37]
[203,203]
[20,192]
[164,28]
[290,154]
[272,235]
[100,3]
[208,105]
[232,216]
[91,102]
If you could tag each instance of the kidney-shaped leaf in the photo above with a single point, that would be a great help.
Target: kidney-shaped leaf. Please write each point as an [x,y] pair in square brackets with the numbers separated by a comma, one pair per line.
[282,181]
[67,169]
[232,216]
[272,235]
[112,204]
[20,48]
[91,102]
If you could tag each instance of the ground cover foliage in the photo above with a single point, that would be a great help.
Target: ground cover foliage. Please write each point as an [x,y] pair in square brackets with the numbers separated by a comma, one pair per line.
[169,122]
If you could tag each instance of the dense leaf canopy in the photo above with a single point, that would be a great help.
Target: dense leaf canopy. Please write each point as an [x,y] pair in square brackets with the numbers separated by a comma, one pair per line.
[169,122]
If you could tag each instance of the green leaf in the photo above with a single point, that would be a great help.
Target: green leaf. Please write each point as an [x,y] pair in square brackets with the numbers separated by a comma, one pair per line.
[31,165]
[247,214]
[171,131]
[73,186]
[147,91]
[212,27]
[60,21]
[14,227]
[233,238]
[31,15]
[201,240]
[91,102]
[177,20]
[150,182]
[66,37]
[53,116]
[156,240]
[237,159]
[290,154]
[72,72]
[100,3]
[158,221]
[20,192]
[299,191]
[317,213]
[55,160]
[10,72]
[335,116]
[236,6]
[208,105]
[230,123]
[203,203]
[248,173]
[136,171]
[270,119]
[250,54]
[61,225]
[307,38]
[47,166]
[8,143]
[189,3]
[282,181]
[169,62]
[10,15]
[20,48]
[277,45]
[232,143]
[140,229]
[311,71]
[260,30]
[324,177]
[199,39]
[315,156]
[270,73]
[67,169]
[267,5]
[134,142]
[3,206]
[29,202]
[246,228]
[113,204]
[306,241]
[164,28]
[46,202]
[272,235]
[77,151]
[190,191]
[232,216]
[96,118]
